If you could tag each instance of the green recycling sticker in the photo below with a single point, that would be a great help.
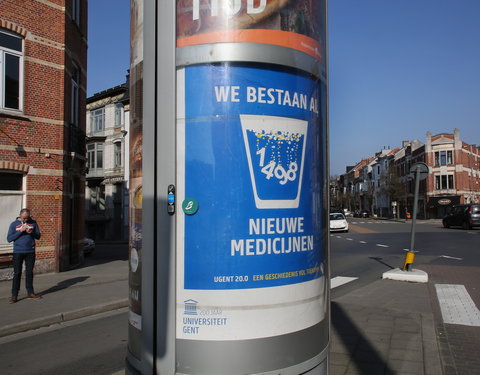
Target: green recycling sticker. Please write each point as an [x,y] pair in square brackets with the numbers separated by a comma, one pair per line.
[190,206]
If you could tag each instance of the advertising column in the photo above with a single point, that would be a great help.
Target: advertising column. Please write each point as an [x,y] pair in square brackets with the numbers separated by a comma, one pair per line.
[135,187]
[251,242]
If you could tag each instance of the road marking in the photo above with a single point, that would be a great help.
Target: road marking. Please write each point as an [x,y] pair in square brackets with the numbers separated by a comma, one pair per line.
[341,280]
[449,257]
[380,245]
[354,222]
[363,242]
[456,305]
[339,236]
[349,239]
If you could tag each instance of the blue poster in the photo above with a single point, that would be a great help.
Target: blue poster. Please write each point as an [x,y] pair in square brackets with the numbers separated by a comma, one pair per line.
[254,164]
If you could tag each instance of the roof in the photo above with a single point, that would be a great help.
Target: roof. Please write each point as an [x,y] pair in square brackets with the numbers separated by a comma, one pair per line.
[123,88]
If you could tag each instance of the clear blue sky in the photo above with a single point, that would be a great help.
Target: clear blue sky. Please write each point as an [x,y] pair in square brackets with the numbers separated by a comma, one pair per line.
[397,69]
[108,44]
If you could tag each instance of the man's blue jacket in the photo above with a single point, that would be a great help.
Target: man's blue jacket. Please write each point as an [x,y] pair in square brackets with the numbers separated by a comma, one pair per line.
[23,242]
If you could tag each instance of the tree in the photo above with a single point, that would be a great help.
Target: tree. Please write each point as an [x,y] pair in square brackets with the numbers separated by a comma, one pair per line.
[393,187]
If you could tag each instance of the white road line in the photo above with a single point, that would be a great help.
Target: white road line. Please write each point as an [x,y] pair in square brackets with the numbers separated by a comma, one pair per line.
[354,222]
[449,257]
[457,306]
[341,280]
[339,236]
[349,239]
[380,245]
[362,242]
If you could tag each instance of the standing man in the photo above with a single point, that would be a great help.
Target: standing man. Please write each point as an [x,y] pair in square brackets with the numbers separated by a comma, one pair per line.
[23,232]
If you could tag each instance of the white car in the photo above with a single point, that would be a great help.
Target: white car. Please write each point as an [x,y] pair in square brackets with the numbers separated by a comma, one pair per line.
[338,222]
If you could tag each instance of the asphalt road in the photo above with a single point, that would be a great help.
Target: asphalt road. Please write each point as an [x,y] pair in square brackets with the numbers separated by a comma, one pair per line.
[372,247]
[96,345]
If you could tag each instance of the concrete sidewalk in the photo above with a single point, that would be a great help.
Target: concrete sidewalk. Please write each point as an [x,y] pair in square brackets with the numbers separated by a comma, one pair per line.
[386,327]
[100,286]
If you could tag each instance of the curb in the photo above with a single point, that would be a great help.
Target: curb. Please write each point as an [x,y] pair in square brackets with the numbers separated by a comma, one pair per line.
[397,274]
[45,321]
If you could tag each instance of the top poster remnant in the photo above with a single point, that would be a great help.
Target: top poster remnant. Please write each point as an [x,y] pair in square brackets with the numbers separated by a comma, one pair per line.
[296,24]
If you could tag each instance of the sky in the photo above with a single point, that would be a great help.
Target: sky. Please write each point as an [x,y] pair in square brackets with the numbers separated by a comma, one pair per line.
[397,69]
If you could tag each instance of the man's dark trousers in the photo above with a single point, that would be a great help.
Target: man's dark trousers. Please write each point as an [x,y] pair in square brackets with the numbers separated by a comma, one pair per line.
[18,259]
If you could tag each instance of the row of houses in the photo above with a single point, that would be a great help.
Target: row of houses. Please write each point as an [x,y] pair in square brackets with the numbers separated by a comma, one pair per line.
[384,186]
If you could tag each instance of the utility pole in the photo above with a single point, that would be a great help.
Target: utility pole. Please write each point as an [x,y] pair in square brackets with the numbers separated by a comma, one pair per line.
[421,172]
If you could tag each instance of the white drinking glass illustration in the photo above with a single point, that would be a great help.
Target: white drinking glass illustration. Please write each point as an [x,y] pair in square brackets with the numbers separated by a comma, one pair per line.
[275,148]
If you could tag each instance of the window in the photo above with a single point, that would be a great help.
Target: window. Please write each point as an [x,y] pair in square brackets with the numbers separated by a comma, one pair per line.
[443,158]
[75,82]
[449,157]
[76,11]
[11,181]
[117,157]
[97,199]
[95,155]
[11,71]
[118,115]
[97,120]
[444,182]
[450,181]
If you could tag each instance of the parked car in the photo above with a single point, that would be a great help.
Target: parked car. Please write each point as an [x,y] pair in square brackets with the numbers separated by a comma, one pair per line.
[338,222]
[88,245]
[463,215]
[364,214]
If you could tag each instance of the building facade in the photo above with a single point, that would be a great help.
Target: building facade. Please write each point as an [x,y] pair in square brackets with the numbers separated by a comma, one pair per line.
[454,178]
[455,172]
[106,194]
[43,62]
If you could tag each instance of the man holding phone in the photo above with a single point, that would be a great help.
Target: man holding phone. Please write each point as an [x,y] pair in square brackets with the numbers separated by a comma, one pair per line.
[23,232]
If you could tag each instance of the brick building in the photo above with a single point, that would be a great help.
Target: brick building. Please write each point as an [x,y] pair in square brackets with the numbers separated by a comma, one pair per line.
[106,194]
[43,61]
[454,178]
[454,172]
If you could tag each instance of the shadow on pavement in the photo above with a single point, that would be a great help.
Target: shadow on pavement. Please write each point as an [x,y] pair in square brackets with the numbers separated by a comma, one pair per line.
[379,260]
[64,285]
[105,253]
[365,357]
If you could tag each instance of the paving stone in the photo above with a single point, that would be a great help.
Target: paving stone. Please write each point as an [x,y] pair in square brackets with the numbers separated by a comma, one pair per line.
[337,369]
[407,355]
[407,336]
[362,368]
[342,348]
[406,344]
[339,359]
[412,367]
